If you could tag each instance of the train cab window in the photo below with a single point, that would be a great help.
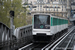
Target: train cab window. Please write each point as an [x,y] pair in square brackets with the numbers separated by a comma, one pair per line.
[42,19]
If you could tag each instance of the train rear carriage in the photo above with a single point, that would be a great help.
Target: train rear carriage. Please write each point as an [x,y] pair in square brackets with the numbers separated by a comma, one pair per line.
[45,26]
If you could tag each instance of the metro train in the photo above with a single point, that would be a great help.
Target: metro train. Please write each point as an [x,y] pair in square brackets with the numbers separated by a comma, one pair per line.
[46,27]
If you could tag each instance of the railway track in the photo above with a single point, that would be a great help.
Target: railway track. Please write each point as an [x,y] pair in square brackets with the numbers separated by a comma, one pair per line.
[34,46]
[67,44]
[52,46]
[47,46]
[39,47]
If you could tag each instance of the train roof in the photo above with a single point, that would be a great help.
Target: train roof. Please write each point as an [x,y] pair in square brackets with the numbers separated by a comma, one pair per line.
[59,17]
[50,15]
[41,14]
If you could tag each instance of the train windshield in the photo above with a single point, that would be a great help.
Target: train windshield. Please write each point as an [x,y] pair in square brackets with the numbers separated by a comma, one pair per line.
[43,20]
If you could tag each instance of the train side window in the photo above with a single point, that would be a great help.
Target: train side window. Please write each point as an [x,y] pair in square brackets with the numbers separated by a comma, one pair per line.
[48,20]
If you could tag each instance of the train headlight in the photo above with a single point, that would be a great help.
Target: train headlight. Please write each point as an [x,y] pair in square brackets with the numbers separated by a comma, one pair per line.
[46,27]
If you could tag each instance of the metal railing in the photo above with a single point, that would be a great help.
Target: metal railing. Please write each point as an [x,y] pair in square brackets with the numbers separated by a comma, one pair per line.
[22,36]
[4,36]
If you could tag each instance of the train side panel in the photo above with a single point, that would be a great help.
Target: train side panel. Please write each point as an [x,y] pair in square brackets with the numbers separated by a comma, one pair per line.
[58,24]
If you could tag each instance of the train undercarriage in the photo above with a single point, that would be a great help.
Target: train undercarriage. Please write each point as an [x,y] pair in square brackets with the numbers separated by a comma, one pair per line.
[43,38]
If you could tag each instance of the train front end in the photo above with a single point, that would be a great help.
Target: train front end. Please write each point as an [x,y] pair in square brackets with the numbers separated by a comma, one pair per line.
[41,27]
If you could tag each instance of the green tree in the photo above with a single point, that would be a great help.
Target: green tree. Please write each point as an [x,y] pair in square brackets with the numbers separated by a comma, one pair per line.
[20,13]
[4,7]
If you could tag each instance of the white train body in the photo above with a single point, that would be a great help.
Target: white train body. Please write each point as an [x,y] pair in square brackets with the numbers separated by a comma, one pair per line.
[47,25]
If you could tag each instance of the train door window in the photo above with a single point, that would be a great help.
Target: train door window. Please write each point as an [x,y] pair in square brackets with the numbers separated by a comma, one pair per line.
[55,21]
